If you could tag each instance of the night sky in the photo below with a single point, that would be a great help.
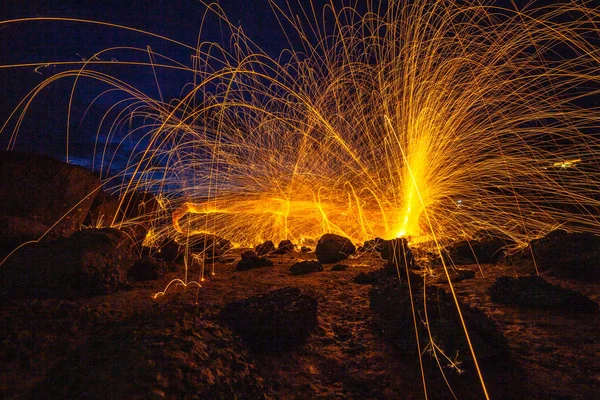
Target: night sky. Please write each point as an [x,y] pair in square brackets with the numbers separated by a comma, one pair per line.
[46,41]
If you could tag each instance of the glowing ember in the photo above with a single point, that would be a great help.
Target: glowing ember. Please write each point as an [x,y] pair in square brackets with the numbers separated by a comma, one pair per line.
[372,129]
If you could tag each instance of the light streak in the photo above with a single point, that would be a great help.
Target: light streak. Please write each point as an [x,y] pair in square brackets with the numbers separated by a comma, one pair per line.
[370,130]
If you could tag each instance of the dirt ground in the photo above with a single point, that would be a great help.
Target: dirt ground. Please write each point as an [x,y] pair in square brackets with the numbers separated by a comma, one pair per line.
[556,353]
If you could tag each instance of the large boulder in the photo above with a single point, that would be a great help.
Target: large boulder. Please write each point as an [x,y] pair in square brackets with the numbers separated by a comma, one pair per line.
[170,350]
[535,292]
[39,193]
[251,260]
[306,267]
[89,262]
[265,248]
[568,255]
[332,248]
[284,247]
[275,321]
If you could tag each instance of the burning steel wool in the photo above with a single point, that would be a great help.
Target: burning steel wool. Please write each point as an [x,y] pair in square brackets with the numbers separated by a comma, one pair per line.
[379,126]
[428,120]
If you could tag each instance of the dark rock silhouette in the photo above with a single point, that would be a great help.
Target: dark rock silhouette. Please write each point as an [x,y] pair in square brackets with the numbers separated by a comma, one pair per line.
[166,351]
[285,247]
[484,249]
[89,262]
[149,268]
[103,210]
[376,245]
[306,267]
[136,205]
[265,248]
[211,245]
[535,292]
[365,278]
[398,254]
[305,249]
[251,260]
[391,302]
[275,321]
[568,255]
[332,248]
[169,250]
[39,193]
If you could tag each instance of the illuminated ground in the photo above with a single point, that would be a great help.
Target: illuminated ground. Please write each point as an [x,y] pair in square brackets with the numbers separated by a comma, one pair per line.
[345,357]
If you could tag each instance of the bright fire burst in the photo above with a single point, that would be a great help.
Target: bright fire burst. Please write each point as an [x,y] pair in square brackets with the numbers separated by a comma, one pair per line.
[376,127]
[428,119]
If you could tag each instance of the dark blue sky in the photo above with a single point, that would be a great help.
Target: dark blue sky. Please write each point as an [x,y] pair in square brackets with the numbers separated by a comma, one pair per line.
[43,41]
[47,41]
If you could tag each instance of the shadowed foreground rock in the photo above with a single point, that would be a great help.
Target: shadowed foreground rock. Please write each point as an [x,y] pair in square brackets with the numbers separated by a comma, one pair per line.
[306,267]
[568,255]
[485,250]
[275,321]
[332,248]
[149,268]
[390,300]
[265,248]
[250,260]
[103,210]
[88,263]
[535,292]
[36,192]
[166,351]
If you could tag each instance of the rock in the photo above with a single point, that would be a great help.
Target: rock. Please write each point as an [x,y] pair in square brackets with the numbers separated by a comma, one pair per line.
[484,249]
[170,350]
[398,254]
[364,278]
[169,250]
[148,268]
[138,206]
[102,211]
[90,262]
[305,249]
[38,192]
[212,245]
[285,247]
[391,302]
[332,248]
[265,248]
[306,267]
[535,292]
[339,267]
[567,255]
[251,260]
[376,244]
[276,321]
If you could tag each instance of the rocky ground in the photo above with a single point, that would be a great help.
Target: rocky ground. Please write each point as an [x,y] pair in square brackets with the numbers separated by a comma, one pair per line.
[130,345]
[80,318]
